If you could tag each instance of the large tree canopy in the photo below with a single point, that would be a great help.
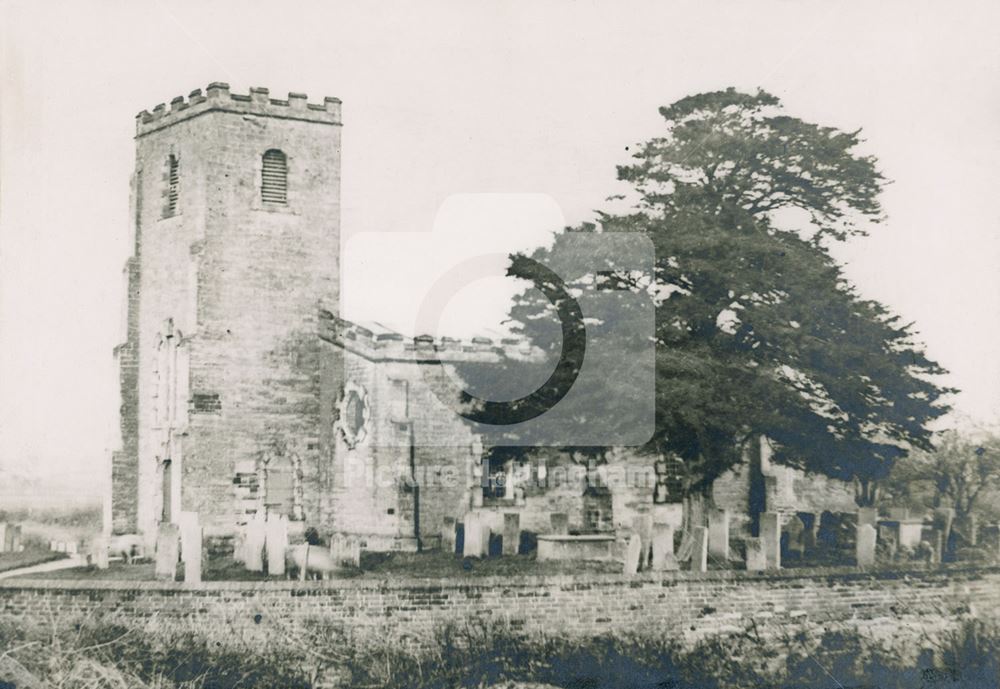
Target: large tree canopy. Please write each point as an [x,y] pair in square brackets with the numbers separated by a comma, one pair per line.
[757,330]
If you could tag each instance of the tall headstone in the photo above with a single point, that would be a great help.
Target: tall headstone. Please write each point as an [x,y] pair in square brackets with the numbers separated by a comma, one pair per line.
[756,558]
[168,541]
[511,532]
[795,532]
[718,534]
[3,537]
[477,536]
[972,526]
[191,545]
[276,543]
[865,545]
[770,534]
[256,536]
[663,548]
[560,523]
[937,546]
[99,552]
[448,535]
[633,550]
[13,538]
[346,551]
[643,525]
[699,558]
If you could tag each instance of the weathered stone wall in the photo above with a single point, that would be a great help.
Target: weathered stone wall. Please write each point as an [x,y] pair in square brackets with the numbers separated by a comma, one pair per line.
[409,434]
[237,283]
[911,607]
[787,491]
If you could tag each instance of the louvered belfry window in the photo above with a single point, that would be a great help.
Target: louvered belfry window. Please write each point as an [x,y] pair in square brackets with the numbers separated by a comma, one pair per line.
[173,186]
[274,178]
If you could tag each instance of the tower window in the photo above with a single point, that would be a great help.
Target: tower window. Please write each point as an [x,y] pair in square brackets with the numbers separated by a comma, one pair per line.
[274,178]
[172,192]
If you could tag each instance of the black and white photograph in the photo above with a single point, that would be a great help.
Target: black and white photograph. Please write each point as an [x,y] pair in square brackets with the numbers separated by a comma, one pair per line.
[571,344]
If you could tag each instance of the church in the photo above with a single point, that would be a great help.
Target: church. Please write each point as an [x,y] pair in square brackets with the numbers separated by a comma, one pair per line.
[243,391]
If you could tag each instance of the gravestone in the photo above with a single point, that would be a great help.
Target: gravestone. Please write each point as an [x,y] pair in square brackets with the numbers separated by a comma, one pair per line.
[910,533]
[477,536]
[643,526]
[795,541]
[99,552]
[167,551]
[972,530]
[770,533]
[560,523]
[865,545]
[756,558]
[276,543]
[71,548]
[13,538]
[937,546]
[10,537]
[448,535]
[663,548]
[511,532]
[699,558]
[253,541]
[633,550]
[346,550]
[868,515]
[718,534]
[191,545]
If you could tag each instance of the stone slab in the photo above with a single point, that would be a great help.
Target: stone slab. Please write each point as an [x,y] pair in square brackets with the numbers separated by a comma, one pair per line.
[168,546]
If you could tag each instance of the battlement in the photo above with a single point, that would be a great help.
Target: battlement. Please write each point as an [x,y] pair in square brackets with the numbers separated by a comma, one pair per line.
[218,98]
[374,341]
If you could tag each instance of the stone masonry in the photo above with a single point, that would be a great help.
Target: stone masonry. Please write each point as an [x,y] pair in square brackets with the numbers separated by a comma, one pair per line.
[219,367]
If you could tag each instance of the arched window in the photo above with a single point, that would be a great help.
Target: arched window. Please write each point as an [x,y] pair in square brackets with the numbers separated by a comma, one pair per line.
[173,186]
[274,178]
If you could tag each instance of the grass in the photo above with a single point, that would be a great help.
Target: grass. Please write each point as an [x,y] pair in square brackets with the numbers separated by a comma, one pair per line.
[436,564]
[430,565]
[78,653]
[42,525]
[27,558]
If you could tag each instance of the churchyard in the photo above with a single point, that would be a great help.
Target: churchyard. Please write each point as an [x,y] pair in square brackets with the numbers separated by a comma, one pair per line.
[490,544]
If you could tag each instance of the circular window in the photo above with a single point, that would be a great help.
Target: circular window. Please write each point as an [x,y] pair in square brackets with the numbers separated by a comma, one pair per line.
[354,414]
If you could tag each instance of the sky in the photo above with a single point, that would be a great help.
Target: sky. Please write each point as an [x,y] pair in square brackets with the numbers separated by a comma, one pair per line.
[474,128]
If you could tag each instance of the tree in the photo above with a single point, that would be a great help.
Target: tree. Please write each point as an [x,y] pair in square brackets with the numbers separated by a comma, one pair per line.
[961,470]
[757,329]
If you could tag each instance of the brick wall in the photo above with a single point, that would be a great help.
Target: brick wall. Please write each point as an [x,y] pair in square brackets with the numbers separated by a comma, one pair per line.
[910,607]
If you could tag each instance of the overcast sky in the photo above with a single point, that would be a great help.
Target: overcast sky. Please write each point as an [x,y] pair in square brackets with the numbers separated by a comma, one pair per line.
[533,103]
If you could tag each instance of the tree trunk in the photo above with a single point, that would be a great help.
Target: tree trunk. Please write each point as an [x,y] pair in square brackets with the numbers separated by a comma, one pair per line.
[757,492]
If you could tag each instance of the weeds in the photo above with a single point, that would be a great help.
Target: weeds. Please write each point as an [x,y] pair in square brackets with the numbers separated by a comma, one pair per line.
[111,653]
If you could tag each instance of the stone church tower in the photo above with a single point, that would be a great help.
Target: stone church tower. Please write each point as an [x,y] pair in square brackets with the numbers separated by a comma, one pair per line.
[235,235]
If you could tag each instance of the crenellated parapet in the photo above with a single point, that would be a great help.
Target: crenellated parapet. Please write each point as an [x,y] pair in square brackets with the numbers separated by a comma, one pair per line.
[218,98]
[378,343]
